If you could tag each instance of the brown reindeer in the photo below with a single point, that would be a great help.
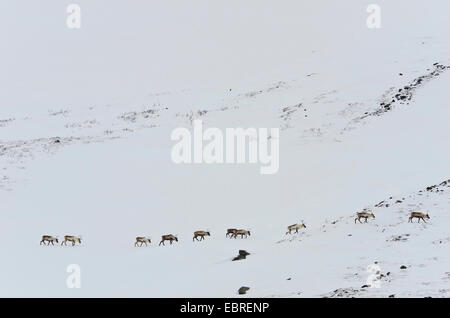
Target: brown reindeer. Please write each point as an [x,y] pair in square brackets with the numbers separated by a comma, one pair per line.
[242,233]
[295,227]
[363,215]
[168,237]
[72,239]
[49,239]
[230,232]
[142,240]
[419,216]
[202,235]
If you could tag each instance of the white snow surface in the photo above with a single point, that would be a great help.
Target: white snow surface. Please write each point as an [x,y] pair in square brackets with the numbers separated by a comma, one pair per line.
[113,91]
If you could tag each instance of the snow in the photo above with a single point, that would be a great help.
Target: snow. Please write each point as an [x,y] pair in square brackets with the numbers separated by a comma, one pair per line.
[113,91]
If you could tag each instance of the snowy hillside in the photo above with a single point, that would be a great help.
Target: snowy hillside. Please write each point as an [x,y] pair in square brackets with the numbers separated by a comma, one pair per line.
[86,118]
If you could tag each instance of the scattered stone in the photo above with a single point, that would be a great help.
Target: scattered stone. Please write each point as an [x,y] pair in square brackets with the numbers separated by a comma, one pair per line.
[242,255]
[403,267]
[243,290]
[392,296]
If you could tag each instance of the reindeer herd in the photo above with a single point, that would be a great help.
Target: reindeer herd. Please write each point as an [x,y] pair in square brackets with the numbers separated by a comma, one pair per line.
[54,239]
[231,233]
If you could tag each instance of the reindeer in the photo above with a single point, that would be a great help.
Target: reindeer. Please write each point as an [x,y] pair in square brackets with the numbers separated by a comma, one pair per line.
[419,216]
[142,240]
[72,239]
[242,233]
[363,215]
[168,237]
[49,239]
[295,227]
[230,232]
[202,235]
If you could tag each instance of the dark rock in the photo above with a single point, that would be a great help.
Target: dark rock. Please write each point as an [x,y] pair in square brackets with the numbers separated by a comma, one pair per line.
[242,255]
[243,252]
[392,296]
[403,267]
[243,290]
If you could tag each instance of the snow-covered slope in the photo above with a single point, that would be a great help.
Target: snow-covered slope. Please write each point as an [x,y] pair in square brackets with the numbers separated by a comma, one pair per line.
[85,128]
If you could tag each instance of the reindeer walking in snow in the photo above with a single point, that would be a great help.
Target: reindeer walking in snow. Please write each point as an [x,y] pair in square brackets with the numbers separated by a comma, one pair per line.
[295,227]
[242,233]
[200,234]
[363,215]
[419,216]
[49,239]
[72,239]
[142,240]
[168,237]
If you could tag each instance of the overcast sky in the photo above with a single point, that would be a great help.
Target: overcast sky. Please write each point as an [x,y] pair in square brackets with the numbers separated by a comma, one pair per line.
[130,48]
